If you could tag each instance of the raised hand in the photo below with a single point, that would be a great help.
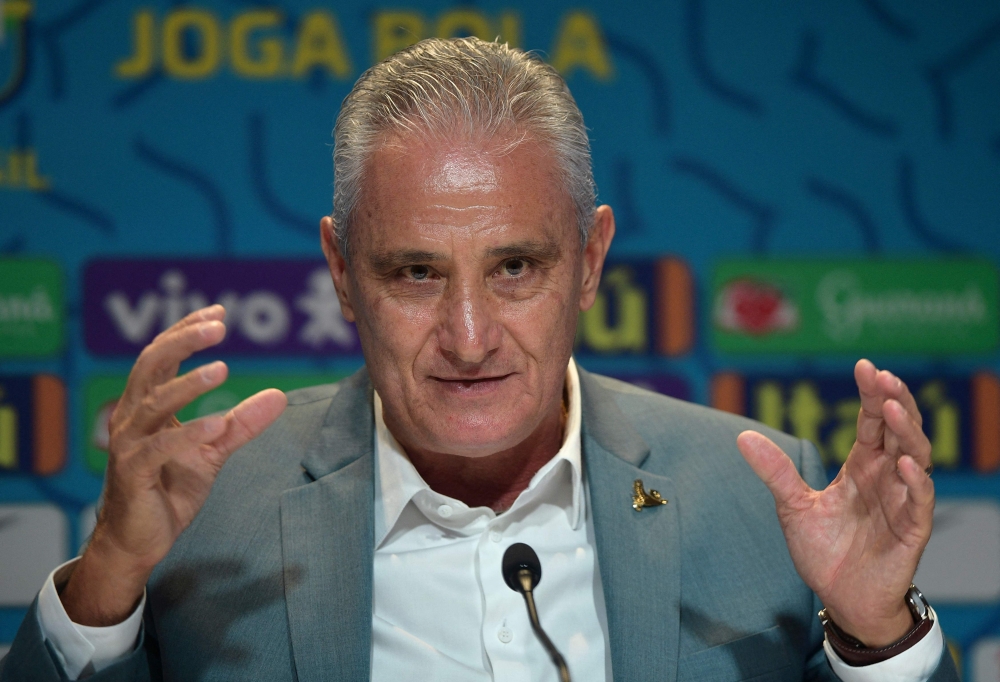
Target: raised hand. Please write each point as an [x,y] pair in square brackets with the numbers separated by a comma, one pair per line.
[857,543]
[160,471]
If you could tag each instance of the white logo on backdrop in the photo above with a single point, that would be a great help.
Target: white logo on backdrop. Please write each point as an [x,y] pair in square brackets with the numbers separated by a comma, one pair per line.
[35,307]
[325,319]
[846,307]
[261,316]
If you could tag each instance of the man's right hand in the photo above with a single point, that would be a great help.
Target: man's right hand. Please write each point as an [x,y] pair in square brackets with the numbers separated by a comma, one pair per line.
[159,470]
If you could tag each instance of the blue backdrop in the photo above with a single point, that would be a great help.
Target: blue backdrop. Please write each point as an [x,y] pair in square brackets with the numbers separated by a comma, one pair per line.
[858,129]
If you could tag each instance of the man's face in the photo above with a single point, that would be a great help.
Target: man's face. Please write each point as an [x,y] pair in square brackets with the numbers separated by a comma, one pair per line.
[466,279]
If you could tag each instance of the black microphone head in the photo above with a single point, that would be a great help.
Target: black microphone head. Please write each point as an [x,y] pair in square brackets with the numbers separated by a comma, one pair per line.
[518,556]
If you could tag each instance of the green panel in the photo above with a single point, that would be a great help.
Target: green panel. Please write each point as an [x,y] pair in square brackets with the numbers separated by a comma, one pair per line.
[31,308]
[855,306]
[103,392]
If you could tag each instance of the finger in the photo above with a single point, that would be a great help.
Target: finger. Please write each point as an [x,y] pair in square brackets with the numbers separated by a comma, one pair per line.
[890,443]
[920,495]
[163,401]
[206,314]
[169,444]
[892,386]
[912,440]
[774,468]
[160,360]
[870,422]
[248,420]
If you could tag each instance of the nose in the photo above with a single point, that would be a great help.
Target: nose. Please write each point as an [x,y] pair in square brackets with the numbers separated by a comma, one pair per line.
[468,331]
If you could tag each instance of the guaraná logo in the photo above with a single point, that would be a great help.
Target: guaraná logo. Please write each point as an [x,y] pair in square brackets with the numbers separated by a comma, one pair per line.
[755,307]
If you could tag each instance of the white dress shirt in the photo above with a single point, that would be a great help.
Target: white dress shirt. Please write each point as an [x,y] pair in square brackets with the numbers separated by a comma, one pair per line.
[440,605]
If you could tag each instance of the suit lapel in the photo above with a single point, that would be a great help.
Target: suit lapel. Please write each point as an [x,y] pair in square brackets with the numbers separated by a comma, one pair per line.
[327,543]
[638,552]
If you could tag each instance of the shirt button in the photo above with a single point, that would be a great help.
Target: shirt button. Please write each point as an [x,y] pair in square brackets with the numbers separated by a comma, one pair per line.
[496,536]
[445,511]
[505,635]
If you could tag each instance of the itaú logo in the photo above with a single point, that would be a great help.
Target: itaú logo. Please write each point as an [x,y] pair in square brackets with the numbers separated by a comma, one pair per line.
[14,16]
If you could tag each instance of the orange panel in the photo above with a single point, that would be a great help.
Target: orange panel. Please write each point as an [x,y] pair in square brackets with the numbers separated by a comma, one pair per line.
[50,424]
[728,393]
[676,320]
[986,422]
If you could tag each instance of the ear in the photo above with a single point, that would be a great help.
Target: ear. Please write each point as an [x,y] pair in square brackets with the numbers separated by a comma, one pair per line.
[338,266]
[594,254]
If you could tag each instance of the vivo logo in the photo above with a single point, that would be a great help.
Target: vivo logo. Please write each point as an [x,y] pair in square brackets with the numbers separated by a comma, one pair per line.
[273,307]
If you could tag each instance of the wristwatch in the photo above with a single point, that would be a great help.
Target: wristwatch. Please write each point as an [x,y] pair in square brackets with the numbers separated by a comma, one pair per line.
[855,653]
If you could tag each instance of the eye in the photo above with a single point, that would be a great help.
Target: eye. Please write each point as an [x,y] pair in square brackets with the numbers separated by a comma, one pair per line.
[418,272]
[514,267]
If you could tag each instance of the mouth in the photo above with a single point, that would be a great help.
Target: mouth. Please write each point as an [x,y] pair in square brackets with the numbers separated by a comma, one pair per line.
[473,385]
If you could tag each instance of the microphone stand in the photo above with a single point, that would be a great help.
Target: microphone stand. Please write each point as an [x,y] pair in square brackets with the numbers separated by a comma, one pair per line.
[525,578]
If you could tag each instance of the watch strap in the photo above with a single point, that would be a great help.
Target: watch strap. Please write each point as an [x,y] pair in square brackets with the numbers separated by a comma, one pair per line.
[854,652]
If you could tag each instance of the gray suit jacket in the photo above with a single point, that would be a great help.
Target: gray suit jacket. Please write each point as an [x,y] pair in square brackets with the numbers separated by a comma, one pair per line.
[273,580]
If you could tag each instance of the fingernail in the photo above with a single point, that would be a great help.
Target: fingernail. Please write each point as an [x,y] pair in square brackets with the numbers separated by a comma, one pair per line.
[213,424]
[206,328]
[210,373]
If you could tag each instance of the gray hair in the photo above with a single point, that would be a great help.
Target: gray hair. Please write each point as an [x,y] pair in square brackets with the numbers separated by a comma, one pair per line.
[465,86]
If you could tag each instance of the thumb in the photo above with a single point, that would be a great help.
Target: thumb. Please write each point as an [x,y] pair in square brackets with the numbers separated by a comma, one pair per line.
[774,468]
[248,420]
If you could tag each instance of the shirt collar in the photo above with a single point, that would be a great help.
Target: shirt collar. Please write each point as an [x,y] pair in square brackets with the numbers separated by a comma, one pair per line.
[397,480]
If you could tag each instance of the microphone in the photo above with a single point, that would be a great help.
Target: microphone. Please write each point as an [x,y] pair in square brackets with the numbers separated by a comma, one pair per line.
[522,571]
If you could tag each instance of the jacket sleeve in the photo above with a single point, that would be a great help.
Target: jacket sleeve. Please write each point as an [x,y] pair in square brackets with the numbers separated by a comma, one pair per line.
[31,660]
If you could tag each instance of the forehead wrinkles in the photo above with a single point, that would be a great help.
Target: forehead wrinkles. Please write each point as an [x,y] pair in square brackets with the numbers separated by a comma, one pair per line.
[414,174]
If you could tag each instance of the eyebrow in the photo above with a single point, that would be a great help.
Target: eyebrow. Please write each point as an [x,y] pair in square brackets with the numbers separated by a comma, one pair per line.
[540,251]
[383,261]
[391,260]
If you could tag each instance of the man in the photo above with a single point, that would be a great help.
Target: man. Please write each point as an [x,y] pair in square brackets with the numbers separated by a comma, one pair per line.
[360,535]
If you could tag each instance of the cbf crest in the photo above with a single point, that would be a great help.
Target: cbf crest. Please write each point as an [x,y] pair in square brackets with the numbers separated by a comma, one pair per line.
[14,15]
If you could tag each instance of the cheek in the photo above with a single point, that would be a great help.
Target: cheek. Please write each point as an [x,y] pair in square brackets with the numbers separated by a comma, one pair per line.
[393,333]
[544,325]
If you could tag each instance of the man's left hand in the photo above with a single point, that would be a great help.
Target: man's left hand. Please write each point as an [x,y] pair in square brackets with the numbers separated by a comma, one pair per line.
[857,543]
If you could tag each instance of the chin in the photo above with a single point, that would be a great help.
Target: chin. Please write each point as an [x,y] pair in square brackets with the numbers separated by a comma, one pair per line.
[479,435]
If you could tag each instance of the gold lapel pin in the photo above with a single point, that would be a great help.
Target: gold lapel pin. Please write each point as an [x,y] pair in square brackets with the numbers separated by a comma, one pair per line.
[641,499]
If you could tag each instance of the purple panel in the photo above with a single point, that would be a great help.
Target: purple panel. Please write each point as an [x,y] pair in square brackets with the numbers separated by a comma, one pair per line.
[274,307]
[667,384]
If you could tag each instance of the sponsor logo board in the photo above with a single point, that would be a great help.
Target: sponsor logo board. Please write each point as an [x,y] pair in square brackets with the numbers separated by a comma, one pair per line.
[33,541]
[274,307]
[667,384]
[289,307]
[31,308]
[961,563]
[855,306]
[32,424]
[102,394]
[642,307]
[985,658]
[960,414]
